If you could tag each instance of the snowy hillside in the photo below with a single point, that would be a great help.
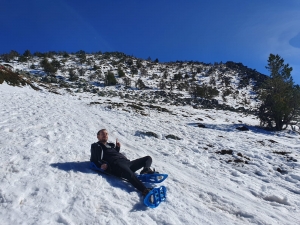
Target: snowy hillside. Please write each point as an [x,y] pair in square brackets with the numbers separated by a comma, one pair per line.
[217,173]
[227,85]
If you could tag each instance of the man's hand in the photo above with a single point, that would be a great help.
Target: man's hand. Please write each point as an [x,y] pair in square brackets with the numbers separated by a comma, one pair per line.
[118,144]
[104,166]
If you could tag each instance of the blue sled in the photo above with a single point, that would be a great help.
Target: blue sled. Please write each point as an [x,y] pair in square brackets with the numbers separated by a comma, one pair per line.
[155,197]
[94,167]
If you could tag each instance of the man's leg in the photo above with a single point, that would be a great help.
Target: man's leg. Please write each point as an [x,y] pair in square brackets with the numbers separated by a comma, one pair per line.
[137,164]
[123,170]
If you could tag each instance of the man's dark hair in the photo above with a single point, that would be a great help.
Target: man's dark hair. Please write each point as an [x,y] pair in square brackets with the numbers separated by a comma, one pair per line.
[100,131]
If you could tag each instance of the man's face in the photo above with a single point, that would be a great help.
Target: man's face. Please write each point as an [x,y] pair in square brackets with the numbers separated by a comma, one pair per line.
[103,136]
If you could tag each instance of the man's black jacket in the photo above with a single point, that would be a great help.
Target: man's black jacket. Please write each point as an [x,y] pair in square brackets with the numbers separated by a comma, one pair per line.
[107,154]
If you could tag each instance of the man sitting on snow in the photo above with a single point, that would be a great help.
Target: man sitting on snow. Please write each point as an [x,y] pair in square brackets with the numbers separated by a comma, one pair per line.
[107,156]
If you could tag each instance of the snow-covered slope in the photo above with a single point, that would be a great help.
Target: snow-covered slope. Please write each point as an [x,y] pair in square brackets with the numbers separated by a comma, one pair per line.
[232,84]
[45,177]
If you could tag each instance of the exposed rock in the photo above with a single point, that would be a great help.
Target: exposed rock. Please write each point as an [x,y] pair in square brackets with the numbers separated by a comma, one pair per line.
[281,171]
[223,152]
[135,106]
[242,128]
[282,153]
[171,136]
[147,133]
[94,103]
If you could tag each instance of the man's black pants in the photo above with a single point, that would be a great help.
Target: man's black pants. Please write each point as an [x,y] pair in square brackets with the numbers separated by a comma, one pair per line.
[126,169]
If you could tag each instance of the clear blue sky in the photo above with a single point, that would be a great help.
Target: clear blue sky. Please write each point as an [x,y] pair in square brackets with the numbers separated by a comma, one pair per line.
[205,31]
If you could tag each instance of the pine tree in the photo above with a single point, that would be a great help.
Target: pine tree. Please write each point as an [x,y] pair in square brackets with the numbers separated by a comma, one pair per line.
[127,81]
[161,84]
[121,72]
[110,79]
[48,67]
[72,75]
[279,96]
[27,53]
[140,84]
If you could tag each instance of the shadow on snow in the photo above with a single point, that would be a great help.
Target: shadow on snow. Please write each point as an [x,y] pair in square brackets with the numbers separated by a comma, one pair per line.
[232,128]
[84,167]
